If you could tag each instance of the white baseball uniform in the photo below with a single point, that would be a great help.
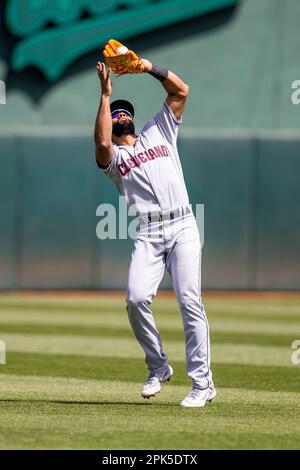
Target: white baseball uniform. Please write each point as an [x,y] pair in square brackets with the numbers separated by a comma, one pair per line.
[150,176]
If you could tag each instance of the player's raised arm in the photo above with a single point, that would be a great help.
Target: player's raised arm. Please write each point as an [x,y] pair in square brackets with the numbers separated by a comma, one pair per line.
[175,87]
[103,125]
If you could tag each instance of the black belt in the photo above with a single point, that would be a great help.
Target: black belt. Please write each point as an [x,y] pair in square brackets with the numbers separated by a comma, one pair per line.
[161,216]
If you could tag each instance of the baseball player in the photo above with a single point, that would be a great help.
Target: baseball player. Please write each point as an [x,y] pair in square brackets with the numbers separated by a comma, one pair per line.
[146,169]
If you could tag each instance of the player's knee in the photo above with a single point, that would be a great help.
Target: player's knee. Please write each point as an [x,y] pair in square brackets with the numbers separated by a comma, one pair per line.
[189,303]
[184,300]
[136,298]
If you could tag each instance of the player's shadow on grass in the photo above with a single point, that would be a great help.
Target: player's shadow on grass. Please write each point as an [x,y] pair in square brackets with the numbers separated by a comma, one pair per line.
[99,402]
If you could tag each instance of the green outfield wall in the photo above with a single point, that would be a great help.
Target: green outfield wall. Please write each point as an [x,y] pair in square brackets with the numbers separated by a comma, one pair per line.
[50,189]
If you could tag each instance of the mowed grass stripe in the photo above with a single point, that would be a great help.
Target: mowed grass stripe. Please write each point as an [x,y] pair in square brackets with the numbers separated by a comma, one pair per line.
[34,431]
[62,316]
[174,323]
[265,309]
[168,335]
[259,317]
[53,303]
[249,308]
[60,413]
[101,318]
[268,378]
[129,348]
[255,326]
[72,390]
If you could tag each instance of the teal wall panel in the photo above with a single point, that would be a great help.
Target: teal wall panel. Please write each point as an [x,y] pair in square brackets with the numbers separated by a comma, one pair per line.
[56,212]
[9,187]
[278,214]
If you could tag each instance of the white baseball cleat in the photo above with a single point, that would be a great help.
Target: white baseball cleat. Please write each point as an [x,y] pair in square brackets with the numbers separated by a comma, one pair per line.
[152,386]
[197,398]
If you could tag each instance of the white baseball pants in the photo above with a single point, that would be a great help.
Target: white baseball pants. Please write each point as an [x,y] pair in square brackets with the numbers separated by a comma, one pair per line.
[173,245]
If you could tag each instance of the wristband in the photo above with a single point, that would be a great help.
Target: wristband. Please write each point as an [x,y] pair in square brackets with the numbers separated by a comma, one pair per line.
[159,73]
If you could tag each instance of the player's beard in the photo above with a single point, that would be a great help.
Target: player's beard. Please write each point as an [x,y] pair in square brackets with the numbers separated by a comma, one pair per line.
[123,128]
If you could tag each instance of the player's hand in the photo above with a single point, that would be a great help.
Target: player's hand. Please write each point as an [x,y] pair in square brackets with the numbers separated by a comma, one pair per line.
[121,60]
[104,76]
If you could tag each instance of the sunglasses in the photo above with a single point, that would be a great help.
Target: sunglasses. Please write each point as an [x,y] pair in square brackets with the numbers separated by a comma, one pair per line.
[118,112]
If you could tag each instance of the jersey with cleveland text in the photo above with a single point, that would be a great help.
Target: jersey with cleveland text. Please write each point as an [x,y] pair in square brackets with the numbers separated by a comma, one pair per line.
[149,174]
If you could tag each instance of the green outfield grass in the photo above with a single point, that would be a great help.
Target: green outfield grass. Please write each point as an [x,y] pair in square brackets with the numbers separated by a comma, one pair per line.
[74,373]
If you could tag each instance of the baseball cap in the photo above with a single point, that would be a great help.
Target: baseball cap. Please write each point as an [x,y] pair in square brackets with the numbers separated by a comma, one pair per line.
[122,105]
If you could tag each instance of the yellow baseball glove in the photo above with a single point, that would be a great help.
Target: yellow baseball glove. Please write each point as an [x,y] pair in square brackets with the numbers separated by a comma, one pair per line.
[122,62]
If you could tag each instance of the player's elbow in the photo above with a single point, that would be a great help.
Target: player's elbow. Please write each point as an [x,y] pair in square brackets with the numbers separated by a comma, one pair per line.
[103,145]
[184,91]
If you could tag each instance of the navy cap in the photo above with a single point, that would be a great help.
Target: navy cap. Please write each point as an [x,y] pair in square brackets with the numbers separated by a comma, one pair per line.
[119,105]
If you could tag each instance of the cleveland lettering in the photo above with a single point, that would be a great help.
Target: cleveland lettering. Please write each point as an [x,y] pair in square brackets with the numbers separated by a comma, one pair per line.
[142,157]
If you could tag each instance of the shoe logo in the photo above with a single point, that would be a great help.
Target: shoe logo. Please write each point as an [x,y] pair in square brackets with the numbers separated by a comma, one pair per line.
[54,33]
